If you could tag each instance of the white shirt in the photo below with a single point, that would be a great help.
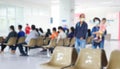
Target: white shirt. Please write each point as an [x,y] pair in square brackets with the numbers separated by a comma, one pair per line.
[61,35]
[33,34]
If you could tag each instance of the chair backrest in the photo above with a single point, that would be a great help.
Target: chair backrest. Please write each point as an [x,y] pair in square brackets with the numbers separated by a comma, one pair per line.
[12,41]
[108,37]
[89,59]
[32,42]
[114,62]
[104,58]
[40,42]
[46,41]
[66,42]
[21,40]
[60,42]
[62,56]
[72,42]
[1,39]
[89,40]
[53,42]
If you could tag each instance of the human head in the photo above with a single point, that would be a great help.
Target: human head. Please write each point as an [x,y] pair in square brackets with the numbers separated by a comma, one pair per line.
[96,20]
[104,20]
[41,30]
[27,24]
[60,28]
[12,28]
[72,29]
[37,29]
[48,30]
[82,17]
[54,29]
[33,27]
[19,27]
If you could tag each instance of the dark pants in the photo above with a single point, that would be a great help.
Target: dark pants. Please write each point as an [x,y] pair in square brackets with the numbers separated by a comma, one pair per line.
[100,45]
[20,46]
[4,46]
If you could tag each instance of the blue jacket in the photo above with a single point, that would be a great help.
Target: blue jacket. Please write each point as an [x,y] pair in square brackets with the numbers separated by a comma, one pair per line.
[81,31]
[21,34]
[71,35]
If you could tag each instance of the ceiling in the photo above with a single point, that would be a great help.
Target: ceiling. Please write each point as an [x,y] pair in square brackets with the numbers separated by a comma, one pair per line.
[97,3]
[78,3]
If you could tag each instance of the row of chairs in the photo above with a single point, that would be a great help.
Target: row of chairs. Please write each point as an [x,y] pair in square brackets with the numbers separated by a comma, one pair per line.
[67,58]
[42,42]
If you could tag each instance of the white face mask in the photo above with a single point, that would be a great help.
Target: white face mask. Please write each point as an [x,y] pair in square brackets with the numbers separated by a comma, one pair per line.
[97,22]
[82,19]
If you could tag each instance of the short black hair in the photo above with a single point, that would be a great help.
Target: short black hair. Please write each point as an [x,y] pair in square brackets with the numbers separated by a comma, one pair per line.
[41,30]
[104,19]
[72,29]
[54,29]
[60,27]
[33,27]
[96,18]
[20,26]
[12,28]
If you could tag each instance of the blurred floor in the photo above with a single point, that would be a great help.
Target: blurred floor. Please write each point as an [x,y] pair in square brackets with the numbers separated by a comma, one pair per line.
[10,61]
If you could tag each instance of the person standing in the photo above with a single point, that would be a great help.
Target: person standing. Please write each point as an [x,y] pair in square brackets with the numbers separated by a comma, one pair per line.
[27,29]
[81,33]
[95,30]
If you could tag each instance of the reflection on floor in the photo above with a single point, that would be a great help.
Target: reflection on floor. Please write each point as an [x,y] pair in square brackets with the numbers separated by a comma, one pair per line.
[10,61]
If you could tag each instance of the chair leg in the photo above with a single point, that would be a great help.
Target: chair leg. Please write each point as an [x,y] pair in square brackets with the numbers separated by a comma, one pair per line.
[48,53]
[27,50]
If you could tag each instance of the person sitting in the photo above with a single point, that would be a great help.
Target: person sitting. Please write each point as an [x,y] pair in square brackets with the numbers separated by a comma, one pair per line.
[48,33]
[54,34]
[41,32]
[33,34]
[61,34]
[71,34]
[12,33]
[20,33]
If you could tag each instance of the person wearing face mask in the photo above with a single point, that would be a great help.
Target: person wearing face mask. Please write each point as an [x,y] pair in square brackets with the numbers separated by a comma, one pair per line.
[12,33]
[80,33]
[95,29]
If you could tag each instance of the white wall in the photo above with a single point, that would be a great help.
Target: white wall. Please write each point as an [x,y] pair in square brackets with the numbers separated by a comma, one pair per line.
[25,12]
[111,13]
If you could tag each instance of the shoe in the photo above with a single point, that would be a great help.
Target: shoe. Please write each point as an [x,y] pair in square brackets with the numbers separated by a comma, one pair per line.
[23,55]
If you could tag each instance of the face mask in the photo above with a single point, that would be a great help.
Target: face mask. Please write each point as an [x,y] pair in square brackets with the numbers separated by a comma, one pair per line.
[82,19]
[97,22]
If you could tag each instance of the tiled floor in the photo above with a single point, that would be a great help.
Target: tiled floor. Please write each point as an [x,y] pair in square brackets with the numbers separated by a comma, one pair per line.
[10,61]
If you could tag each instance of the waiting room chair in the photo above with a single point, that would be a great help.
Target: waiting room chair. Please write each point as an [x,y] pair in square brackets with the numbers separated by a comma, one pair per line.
[40,42]
[114,62]
[66,42]
[31,44]
[60,42]
[51,44]
[72,42]
[46,41]
[88,59]
[11,41]
[1,39]
[21,40]
[62,57]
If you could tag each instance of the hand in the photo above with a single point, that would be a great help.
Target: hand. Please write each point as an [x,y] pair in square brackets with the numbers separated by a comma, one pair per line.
[81,38]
